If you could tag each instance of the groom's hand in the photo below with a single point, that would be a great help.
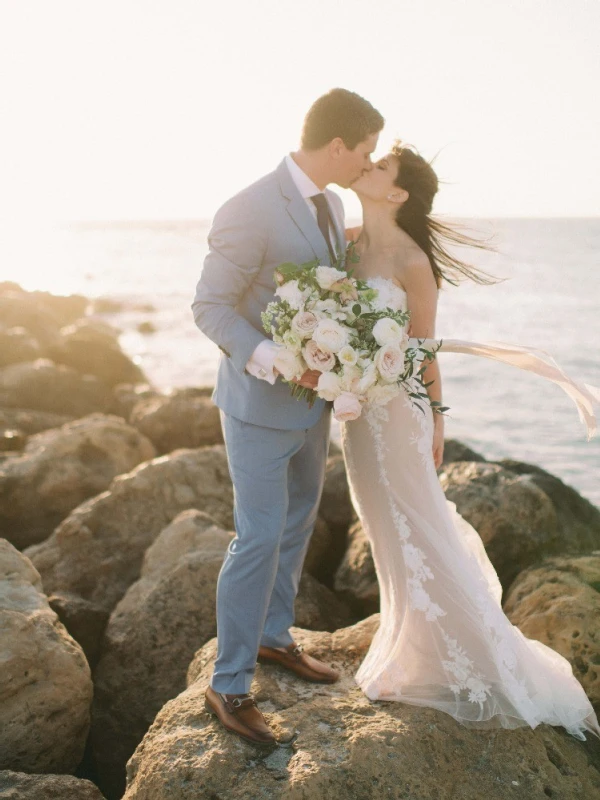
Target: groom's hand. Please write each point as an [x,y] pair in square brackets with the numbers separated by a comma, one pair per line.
[309,380]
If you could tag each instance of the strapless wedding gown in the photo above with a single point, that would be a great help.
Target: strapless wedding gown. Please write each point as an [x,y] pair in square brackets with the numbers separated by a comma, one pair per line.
[444,641]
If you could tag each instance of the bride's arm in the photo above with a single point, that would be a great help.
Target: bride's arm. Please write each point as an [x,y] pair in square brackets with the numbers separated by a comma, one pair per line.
[422,294]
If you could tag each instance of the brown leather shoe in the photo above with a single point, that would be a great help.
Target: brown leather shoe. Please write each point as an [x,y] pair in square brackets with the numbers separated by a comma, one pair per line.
[295,659]
[239,714]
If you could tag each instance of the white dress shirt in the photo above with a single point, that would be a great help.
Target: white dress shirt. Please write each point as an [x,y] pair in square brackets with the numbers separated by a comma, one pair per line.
[261,362]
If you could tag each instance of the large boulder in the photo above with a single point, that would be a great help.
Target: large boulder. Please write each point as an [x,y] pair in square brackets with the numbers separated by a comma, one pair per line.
[183,418]
[515,518]
[92,347]
[97,551]
[45,386]
[157,627]
[29,421]
[17,344]
[458,451]
[347,747]
[356,578]
[61,468]
[578,519]
[21,309]
[21,786]
[558,603]
[45,681]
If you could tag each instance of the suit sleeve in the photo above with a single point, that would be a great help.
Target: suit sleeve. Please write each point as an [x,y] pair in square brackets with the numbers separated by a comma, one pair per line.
[237,243]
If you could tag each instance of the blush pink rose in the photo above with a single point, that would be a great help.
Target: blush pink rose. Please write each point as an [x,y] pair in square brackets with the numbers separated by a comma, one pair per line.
[346,407]
[389,360]
[321,360]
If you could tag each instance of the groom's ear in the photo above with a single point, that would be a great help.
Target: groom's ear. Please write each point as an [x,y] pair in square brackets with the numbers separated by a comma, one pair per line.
[336,147]
[398,196]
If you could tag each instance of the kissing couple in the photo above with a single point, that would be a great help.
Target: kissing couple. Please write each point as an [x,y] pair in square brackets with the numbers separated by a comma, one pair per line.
[443,640]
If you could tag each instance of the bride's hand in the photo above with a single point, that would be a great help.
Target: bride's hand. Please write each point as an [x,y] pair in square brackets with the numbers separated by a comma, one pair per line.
[438,440]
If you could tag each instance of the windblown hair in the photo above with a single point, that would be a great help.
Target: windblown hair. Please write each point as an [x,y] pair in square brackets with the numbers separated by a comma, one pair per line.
[343,114]
[417,177]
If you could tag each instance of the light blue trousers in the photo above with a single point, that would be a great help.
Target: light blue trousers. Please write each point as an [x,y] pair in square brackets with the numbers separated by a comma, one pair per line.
[277,479]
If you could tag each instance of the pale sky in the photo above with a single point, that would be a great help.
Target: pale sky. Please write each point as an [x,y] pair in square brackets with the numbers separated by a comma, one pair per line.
[161,109]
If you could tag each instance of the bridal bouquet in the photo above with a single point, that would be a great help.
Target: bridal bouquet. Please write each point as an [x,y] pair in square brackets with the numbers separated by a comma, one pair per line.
[328,321]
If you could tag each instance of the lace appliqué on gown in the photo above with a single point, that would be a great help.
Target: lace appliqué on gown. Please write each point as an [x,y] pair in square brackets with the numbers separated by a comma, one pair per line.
[444,641]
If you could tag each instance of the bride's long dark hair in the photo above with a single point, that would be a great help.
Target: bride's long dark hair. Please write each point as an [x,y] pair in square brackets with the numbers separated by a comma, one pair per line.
[418,178]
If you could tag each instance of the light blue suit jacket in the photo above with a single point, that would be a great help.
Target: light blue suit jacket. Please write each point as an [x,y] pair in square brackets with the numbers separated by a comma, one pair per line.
[254,232]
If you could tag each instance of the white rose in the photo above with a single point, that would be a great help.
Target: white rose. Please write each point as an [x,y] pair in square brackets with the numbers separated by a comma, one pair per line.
[350,378]
[330,335]
[329,386]
[389,360]
[327,276]
[347,355]
[318,358]
[387,331]
[288,364]
[382,393]
[368,379]
[304,324]
[291,292]
[346,407]
[330,305]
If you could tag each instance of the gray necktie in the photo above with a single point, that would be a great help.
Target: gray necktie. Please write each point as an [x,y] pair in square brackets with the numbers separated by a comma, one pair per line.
[320,202]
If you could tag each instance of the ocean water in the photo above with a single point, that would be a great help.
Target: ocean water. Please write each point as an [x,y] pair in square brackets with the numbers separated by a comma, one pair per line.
[549,299]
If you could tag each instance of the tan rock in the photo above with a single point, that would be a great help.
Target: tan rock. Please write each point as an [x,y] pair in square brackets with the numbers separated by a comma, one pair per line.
[516,520]
[578,519]
[60,468]
[184,418]
[45,681]
[347,747]
[92,348]
[45,386]
[157,627]
[97,551]
[17,344]
[20,786]
[558,603]
[29,421]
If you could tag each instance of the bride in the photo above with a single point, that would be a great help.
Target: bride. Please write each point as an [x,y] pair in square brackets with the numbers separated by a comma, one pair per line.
[443,640]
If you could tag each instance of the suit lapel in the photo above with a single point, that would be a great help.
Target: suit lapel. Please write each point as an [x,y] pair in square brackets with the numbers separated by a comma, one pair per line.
[299,212]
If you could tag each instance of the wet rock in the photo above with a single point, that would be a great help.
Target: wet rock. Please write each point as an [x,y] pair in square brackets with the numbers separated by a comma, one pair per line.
[45,681]
[558,603]
[62,467]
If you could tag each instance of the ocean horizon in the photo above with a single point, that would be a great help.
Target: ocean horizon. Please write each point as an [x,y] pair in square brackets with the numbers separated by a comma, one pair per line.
[548,299]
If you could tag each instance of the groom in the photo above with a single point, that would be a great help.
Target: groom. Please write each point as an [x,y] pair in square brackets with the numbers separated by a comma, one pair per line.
[276,445]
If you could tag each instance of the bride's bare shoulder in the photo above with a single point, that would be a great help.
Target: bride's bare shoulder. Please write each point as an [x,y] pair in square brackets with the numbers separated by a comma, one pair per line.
[411,264]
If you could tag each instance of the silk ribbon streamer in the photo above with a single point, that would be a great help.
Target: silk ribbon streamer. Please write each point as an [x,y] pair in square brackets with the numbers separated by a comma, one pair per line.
[531,360]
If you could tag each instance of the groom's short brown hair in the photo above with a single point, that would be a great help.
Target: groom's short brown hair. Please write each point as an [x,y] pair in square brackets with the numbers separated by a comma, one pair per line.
[343,114]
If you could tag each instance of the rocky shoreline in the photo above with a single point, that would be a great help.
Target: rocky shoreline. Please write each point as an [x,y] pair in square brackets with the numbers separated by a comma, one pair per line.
[115,513]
